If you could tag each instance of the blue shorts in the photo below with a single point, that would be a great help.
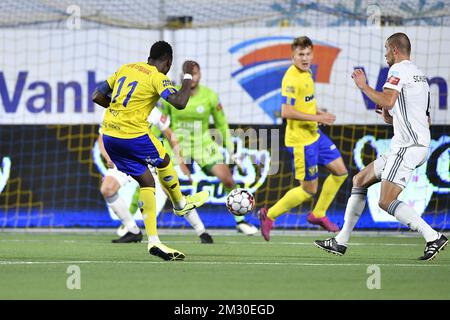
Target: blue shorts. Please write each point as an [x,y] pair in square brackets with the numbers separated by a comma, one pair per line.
[132,156]
[306,159]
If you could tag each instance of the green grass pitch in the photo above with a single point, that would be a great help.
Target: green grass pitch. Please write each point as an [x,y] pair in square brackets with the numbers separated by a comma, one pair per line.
[34,266]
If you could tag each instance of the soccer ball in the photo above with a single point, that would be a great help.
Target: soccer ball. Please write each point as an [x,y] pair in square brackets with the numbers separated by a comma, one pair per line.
[240,202]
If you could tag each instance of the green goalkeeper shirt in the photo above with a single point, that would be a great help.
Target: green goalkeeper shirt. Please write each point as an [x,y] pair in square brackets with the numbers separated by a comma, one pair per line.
[191,124]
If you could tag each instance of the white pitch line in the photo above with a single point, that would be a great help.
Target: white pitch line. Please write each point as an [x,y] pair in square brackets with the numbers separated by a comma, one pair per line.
[304,243]
[43,240]
[225,242]
[300,264]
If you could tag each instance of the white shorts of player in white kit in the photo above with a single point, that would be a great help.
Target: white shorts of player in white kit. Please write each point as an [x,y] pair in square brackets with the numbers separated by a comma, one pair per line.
[398,164]
[121,177]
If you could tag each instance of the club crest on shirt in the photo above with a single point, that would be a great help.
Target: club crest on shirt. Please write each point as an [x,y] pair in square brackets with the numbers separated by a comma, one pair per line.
[290,89]
[312,170]
[200,109]
[114,112]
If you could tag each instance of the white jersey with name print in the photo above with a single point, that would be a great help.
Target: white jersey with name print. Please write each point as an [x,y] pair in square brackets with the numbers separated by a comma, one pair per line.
[411,110]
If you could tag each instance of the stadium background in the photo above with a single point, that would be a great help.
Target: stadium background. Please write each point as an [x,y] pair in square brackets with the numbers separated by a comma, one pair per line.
[54,53]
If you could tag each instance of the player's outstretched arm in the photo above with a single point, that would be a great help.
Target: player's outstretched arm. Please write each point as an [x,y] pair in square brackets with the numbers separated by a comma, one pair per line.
[221,124]
[101,95]
[385,99]
[180,99]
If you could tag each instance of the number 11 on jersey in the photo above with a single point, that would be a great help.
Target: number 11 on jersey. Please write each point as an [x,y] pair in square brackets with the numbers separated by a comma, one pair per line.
[133,85]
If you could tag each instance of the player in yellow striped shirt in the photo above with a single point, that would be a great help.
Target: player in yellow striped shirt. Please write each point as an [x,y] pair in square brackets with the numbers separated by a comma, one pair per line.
[129,95]
[307,144]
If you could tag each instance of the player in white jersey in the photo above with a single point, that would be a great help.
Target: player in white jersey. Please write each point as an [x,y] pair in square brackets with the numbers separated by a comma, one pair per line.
[115,179]
[404,103]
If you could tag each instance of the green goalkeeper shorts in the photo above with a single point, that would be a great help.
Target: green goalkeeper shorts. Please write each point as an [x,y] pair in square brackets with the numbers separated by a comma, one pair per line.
[208,157]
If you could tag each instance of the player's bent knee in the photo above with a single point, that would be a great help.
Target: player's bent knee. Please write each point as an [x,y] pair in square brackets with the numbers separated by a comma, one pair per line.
[109,189]
[342,171]
[358,181]
[311,190]
[384,204]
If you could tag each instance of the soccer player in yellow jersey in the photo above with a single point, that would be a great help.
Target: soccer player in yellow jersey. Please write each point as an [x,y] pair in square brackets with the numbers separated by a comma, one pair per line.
[308,145]
[129,95]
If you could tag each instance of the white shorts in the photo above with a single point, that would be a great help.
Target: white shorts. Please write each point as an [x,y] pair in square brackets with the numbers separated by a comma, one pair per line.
[121,177]
[398,164]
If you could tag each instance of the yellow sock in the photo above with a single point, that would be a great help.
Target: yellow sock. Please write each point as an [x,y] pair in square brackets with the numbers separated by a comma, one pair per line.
[291,199]
[148,209]
[169,181]
[329,189]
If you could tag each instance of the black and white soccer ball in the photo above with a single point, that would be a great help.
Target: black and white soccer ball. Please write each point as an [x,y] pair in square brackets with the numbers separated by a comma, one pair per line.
[240,202]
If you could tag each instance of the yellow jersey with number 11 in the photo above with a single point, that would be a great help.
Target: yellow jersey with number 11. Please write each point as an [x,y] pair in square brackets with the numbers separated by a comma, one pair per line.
[297,90]
[136,87]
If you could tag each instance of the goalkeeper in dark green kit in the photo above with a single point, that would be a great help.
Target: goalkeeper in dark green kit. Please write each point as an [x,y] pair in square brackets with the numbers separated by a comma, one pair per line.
[192,129]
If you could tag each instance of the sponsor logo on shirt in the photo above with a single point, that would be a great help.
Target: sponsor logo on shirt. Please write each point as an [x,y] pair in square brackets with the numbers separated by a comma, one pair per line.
[309,98]
[166,83]
[151,161]
[109,125]
[393,80]
[163,118]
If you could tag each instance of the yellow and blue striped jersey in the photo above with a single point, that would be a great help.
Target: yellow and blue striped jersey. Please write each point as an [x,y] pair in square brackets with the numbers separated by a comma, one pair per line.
[297,90]
[136,87]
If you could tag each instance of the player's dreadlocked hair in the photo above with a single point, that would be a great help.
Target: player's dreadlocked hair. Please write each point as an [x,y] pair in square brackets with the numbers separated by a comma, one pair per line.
[160,50]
